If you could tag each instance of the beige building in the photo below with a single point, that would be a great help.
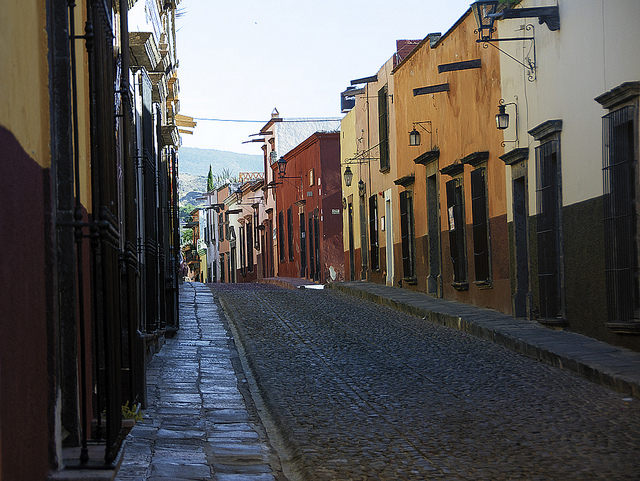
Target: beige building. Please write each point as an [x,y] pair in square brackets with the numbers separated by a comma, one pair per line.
[571,90]
[368,153]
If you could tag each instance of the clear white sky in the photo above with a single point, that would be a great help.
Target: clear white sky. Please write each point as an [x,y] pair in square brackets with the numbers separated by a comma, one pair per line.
[241,58]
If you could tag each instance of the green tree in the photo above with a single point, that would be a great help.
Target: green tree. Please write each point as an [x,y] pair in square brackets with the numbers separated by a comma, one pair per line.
[185,212]
[210,180]
[225,177]
[187,236]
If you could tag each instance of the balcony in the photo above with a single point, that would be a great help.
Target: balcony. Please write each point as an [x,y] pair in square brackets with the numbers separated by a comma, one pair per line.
[144,50]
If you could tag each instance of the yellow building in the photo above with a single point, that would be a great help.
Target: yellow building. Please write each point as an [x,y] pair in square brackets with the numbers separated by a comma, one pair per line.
[448,90]
[431,212]
[369,154]
[74,331]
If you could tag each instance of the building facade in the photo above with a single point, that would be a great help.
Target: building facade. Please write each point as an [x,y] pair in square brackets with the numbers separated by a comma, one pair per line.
[451,203]
[277,137]
[249,204]
[571,150]
[426,205]
[226,238]
[211,234]
[309,214]
[76,331]
[368,153]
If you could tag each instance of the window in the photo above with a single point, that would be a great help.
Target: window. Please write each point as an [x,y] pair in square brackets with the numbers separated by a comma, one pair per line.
[407,231]
[250,247]
[222,268]
[480,226]
[211,221]
[303,247]
[548,228]
[221,226]
[620,214]
[243,269]
[364,241]
[383,128]
[290,232]
[256,234]
[312,264]
[373,233]
[316,236]
[226,226]
[457,240]
[433,227]
[281,235]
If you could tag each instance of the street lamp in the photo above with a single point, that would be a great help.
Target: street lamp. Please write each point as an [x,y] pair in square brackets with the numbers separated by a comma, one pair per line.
[502,118]
[238,193]
[487,11]
[348,176]
[414,135]
[282,169]
[282,166]
[362,188]
[485,14]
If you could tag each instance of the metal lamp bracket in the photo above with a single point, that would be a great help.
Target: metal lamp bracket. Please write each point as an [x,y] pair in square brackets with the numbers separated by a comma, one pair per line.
[530,60]
[515,104]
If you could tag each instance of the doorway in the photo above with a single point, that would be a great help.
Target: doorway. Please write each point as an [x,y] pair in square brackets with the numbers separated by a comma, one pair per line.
[388,212]
[352,261]
[520,232]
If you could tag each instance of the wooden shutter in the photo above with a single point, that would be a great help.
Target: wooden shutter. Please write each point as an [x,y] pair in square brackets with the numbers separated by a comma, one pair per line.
[373,232]
[383,128]
[480,228]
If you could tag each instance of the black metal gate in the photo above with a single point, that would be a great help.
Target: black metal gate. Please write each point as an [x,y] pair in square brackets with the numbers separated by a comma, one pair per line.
[548,229]
[620,216]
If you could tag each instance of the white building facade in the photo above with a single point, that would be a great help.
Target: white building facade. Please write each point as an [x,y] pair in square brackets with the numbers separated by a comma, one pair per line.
[571,91]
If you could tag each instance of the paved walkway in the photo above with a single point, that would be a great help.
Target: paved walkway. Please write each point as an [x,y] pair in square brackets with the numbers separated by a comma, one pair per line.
[198,425]
[615,367]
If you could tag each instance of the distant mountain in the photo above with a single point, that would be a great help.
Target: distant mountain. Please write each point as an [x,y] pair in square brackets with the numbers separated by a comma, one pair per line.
[197,161]
[191,186]
[193,169]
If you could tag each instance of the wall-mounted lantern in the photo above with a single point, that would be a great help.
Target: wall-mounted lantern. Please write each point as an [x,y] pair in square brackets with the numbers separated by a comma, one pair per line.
[485,14]
[487,11]
[362,188]
[348,176]
[502,118]
[282,167]
[414,135]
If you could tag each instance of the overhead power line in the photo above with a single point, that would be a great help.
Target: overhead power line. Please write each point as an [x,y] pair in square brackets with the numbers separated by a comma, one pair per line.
[205,119]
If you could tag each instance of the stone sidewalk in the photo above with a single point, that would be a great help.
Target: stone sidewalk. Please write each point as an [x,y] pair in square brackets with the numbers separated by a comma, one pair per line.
[611,366]
[200,422]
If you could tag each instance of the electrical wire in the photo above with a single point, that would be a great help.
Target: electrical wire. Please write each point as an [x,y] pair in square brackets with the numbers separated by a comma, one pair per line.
[326,119]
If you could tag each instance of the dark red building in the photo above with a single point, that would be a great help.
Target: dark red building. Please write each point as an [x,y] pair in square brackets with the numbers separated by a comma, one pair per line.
[309,210]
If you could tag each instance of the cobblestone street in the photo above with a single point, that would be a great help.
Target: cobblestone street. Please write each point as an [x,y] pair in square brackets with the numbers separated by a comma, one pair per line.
[361,391]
